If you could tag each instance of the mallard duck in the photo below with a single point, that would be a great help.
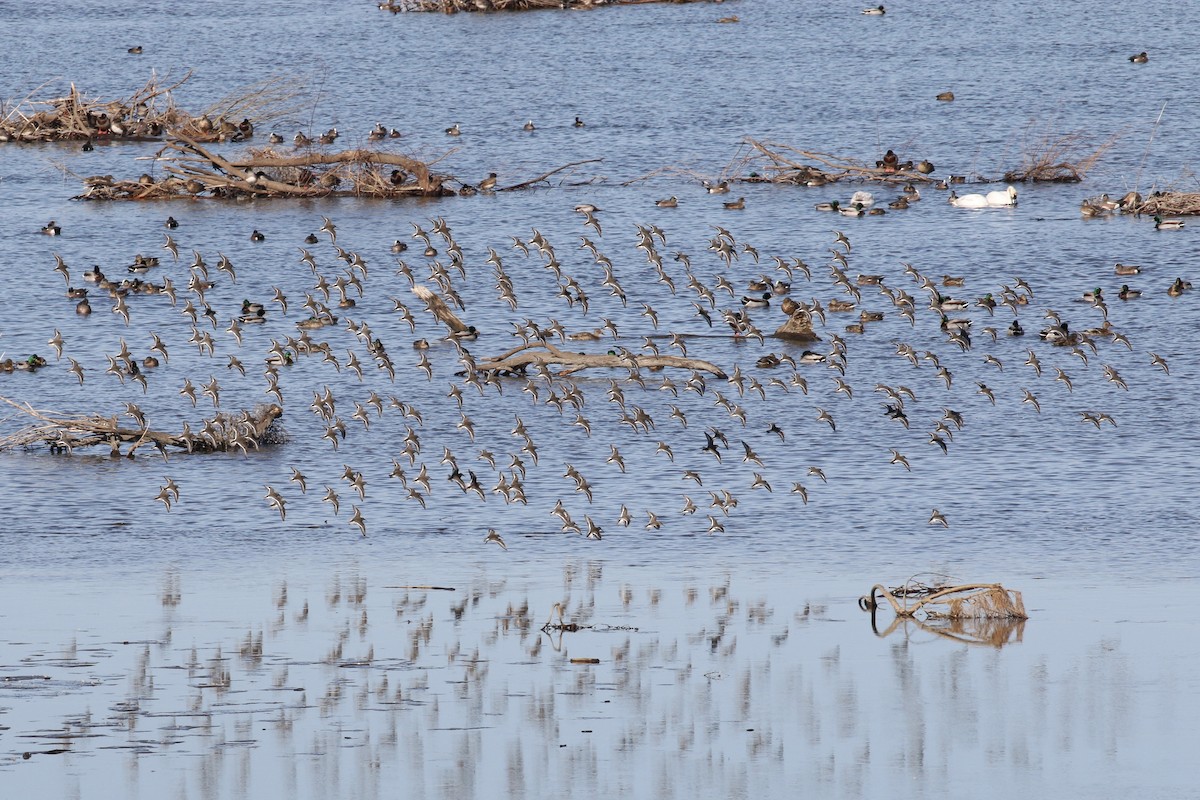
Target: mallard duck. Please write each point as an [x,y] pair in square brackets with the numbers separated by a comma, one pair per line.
[789,306]
[877,11]
[950,280]
[1093,295]
[1128,294]
[1127,269]
[253,308]
[1139,58]
[899,203]
[1161,224]
[854,211]
[877,212]
[1178,287]
[51,229]
[768,361]
[670,202]
[754,302]
[809,357]
[870,316]
[987,301]
[855,327]
[949,303]
[469,335]
[830,206]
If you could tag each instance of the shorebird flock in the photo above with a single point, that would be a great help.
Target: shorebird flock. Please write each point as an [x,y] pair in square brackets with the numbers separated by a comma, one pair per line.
[673,449]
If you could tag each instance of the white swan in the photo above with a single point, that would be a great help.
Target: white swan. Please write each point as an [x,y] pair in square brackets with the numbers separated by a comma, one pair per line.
[968,200]
[1008,197]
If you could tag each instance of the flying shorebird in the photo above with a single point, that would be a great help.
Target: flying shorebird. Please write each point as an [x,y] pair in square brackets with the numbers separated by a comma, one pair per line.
[897,458]
[328,227]
[938,518]
[356,519]
[492,536]
[276,501]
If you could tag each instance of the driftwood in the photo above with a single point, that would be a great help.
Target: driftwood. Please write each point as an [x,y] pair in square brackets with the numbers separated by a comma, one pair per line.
[222,432]
[772,162]
[542,178]
[196,171]
[967,601]
[519,358]
[147,114]
[440,310]
[798,327]
[455,6]
[1058,159]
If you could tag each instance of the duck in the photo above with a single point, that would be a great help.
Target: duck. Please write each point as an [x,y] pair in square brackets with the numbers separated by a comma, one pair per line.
[397,177]
[945,97]
[578,122]
[789,306]
[951,280]
[149,362]
[968,200]
[877,11]
[736,205]
[94,275]
[670,202]
[1015,328]
[1161,224]
[925,167]
[378,132]
[1139,58]
[1007,197]
[83,307]
[755,302]
[257,237]
[810,357]
[870,316]
[1128,294]
[76,293]
[399,246]
[717,188]
[768,361]
[1127,269]
[855,210]
[780,287]
[1178,287]
[900,203]
[275,138]
[760,284]
[254,309]
[51,228]
[300,140]
[311,239]
[830,206]
[489,183]
[136,50]
[469,335]
[171,223]
[245,128]
[529,126]
[1092,295]
[949,303]
[890,160]
[453,130]
[840,305]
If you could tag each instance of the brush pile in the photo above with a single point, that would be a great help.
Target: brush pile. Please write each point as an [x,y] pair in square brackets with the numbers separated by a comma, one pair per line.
[455,6]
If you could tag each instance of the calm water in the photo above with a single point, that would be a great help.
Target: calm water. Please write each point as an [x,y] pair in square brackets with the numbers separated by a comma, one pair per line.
[171,653]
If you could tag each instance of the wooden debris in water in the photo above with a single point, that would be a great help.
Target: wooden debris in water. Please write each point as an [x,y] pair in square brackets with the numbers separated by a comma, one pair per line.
[518,359]
[149,113]
[966,601]
[798,327]
[220,433]
[195,171]
[455,6]
[1064,158]
[772,162]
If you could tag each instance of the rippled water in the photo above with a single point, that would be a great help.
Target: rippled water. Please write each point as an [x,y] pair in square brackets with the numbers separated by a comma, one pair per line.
[750,669]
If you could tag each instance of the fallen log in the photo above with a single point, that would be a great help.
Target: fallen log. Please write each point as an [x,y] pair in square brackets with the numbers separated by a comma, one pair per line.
[533,353]
[220,433]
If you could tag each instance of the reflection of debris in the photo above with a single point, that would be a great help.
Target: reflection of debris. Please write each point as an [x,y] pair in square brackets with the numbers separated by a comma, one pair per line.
[968,601]
[974,613]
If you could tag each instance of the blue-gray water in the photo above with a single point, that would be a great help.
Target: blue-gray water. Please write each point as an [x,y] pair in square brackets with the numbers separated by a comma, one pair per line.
[740,664]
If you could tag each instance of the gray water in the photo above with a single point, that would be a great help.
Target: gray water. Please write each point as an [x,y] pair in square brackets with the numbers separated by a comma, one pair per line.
[170,653]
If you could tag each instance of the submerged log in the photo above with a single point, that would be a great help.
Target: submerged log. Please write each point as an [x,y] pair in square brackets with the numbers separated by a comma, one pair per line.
[220,433]
[798,327]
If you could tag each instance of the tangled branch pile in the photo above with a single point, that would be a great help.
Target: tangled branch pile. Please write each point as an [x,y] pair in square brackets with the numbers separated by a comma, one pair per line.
[518,359]
[1170,203]
[1058,159]
[772,162]
[149,113]
[196,171]
[968,601]
[222,432]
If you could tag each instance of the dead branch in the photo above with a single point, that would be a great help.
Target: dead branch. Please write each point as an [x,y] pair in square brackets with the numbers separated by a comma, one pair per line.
[436,306]
[222,432]
[543,177]
[968,601]
[519,358]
